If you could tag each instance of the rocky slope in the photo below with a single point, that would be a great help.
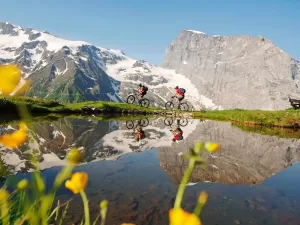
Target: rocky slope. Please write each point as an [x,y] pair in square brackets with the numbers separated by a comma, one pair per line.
[73,71]
[237,71]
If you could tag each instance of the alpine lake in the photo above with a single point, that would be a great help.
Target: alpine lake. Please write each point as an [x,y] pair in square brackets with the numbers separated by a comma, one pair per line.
[253,179]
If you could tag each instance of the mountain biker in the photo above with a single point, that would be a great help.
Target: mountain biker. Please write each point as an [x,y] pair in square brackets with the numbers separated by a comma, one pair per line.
[179,94]
[142,91]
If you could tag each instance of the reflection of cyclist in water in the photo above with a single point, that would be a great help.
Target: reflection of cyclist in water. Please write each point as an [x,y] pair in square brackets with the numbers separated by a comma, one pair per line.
[177,132]
[140,134]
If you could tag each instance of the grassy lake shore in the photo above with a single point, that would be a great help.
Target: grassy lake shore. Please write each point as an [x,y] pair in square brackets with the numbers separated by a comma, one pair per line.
[283,119]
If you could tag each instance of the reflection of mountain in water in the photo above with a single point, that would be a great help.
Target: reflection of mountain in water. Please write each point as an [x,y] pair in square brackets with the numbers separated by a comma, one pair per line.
[50,141]
[245,158]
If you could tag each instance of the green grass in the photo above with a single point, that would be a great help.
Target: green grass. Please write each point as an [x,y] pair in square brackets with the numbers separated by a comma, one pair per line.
[285,118]
[270,131]
[9,105]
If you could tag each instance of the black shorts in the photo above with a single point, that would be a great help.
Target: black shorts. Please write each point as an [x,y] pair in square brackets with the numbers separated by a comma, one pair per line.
[180,98]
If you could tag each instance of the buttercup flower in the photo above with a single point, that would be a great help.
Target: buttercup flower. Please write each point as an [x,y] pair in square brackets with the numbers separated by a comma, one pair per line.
[16,139]
[180,217]
[74,156]
[4,195]
[23,184]
[77,183]
[10,76]
[203,198]
[212,147]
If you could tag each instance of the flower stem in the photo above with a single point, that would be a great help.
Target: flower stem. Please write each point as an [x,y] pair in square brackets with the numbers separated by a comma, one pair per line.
[86,207]
[4,212]
[198,209]
[183,183]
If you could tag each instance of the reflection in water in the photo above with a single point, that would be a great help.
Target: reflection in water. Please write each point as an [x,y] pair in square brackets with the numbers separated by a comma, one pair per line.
[141,186]
[138,128]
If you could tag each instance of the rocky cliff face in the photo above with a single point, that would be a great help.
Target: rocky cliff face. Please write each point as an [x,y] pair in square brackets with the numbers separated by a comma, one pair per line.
[235,72]
[244,159]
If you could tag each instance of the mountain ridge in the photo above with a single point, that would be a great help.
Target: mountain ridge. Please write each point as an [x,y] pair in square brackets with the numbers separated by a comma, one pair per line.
[72,71]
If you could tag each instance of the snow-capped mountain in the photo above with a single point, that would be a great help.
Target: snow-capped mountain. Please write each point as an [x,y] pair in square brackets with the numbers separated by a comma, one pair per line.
[73,71]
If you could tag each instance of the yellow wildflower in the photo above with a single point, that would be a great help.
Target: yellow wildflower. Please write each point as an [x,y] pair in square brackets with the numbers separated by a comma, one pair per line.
[74,156]
[23,184]
[203,198]
[4,195]
[15,139]
[77,183]
[10,76]
[180,217]
[212,147]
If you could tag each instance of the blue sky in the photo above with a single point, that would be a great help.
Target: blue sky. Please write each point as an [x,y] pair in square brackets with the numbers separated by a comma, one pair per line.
[143,29]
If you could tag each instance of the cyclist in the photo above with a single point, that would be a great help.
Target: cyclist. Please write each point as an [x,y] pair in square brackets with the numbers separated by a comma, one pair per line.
[142,91]
[179,95]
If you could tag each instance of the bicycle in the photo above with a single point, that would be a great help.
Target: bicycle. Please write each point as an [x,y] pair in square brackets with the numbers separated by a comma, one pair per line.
[133,97]
[183,106]
[142,122]
[182,122]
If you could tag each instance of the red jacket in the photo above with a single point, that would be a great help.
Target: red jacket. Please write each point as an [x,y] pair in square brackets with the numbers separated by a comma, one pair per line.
[178,91]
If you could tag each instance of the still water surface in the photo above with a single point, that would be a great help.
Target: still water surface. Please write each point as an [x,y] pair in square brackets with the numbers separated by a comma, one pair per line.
[254,179]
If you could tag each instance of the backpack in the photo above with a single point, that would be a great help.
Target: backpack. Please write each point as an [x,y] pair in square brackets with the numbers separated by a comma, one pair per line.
[145,89]
[182,90]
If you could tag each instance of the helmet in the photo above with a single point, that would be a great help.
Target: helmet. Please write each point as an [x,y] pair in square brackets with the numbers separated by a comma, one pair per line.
[140,85]
[176,87]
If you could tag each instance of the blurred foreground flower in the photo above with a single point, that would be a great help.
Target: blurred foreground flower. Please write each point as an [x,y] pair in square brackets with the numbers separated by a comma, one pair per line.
[203,198]
[16,139]
[74,156]
[212,147]
[4,195]
[23,185]
[77,183]
[10,76]
[180,217]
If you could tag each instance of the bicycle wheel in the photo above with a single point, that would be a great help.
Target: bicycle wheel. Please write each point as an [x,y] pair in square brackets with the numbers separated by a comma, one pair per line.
[169,106]
[184,107]
[183,122]
[130,99]
[144,122]
[129,124]
[145,102]
[168,121]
